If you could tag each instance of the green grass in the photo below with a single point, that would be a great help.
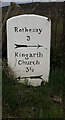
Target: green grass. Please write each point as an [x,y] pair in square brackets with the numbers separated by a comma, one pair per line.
[32,102]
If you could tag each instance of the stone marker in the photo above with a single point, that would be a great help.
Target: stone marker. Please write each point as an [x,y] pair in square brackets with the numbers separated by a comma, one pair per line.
[28,48]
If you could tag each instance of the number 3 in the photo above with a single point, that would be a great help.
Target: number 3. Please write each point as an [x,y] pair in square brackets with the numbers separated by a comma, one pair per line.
[28,38]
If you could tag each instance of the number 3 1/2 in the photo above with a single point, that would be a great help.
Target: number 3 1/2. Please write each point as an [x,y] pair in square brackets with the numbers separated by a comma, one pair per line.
[29,69]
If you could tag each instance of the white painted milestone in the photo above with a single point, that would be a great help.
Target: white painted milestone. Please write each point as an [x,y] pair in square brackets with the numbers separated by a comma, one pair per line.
[28,48]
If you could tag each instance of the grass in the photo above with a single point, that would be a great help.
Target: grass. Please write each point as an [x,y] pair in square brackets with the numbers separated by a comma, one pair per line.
[32,102]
